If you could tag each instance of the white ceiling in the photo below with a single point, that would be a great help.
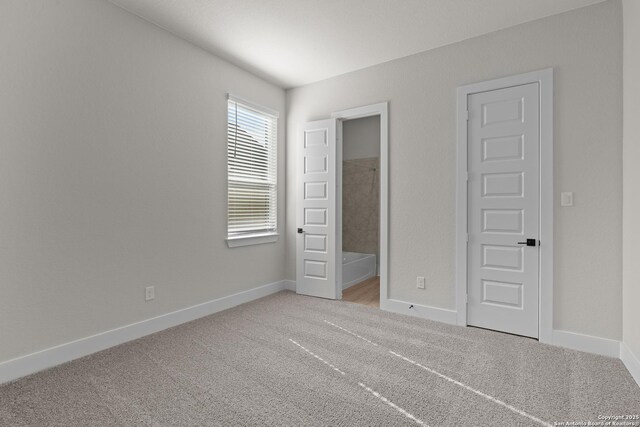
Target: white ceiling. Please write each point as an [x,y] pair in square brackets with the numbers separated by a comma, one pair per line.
[295,42]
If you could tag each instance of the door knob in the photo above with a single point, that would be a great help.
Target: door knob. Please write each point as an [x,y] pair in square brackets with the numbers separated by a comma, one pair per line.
[300,230]
[529,242]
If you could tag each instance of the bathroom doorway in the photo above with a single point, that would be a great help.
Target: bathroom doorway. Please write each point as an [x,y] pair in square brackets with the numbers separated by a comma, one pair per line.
[319,258]
[361,210]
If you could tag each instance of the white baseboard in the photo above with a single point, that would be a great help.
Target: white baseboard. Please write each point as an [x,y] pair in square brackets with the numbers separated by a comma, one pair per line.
[631,361]
[47,358]
[289,285]
[588,343]
[423,311]
[572,340]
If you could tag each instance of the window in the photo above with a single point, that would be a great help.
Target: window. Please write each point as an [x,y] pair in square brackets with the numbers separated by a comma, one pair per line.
[252,173]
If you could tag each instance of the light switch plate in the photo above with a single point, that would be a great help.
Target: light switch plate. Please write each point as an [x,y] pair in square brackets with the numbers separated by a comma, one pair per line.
[566,198]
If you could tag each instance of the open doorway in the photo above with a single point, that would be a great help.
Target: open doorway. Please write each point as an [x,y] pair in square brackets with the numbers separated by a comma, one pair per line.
[319,258]
[361,210]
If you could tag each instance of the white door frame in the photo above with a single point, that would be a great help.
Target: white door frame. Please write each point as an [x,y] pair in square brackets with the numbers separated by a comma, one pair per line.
[382,110]
[544,78]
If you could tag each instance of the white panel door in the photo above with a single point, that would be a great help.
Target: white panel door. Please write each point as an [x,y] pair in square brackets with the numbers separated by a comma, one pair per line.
[316,254]
[503,202]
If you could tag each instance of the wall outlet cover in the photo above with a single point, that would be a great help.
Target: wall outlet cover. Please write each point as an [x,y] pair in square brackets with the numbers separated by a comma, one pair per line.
[149,293]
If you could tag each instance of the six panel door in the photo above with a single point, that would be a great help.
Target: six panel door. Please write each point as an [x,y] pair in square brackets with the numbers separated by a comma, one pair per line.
[503,209]
[316,255]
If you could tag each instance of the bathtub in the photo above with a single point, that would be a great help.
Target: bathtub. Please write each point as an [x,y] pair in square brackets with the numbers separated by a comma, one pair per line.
[357,267]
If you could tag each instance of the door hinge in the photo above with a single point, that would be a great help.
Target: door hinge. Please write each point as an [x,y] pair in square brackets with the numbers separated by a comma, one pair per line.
[466,176]
[466,115]
[466,298]
[467,237]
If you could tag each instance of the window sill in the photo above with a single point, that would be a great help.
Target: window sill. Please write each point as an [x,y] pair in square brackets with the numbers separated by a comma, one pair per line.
[252,239]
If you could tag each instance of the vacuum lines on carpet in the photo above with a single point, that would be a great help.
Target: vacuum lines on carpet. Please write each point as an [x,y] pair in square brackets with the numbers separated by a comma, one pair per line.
[238,368]
[445,377]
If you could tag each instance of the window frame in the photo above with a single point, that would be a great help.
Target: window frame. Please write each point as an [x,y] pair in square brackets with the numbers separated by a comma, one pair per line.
[258,237]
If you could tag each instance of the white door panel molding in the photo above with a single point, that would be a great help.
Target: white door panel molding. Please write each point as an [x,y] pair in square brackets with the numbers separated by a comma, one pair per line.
[504,196]
[317,245]
[503,148]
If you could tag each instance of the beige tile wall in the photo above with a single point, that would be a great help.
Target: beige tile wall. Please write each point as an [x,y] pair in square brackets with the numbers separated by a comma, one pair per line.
[360,205]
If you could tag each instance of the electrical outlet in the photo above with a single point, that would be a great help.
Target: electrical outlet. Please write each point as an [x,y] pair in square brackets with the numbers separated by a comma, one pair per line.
[420,282]
[149,293]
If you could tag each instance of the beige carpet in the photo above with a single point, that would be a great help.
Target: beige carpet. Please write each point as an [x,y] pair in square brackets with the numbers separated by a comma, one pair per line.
[299,361]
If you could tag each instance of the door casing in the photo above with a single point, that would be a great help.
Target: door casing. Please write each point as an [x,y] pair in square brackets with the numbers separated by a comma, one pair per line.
[544,78]
[381,110]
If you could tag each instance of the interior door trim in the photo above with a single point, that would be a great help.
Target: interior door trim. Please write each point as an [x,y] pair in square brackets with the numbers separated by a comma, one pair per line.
[382,110]
[544,79]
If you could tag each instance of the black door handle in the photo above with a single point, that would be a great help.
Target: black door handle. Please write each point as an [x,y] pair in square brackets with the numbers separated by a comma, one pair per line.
[300,230]
[529,242]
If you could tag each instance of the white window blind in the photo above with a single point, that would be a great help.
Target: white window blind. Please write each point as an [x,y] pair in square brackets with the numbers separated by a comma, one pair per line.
[252,169]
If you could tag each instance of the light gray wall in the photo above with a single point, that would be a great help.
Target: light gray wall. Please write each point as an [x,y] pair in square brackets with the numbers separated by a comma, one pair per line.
[113,173]
[361,138]
[631,168]
[585,49]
